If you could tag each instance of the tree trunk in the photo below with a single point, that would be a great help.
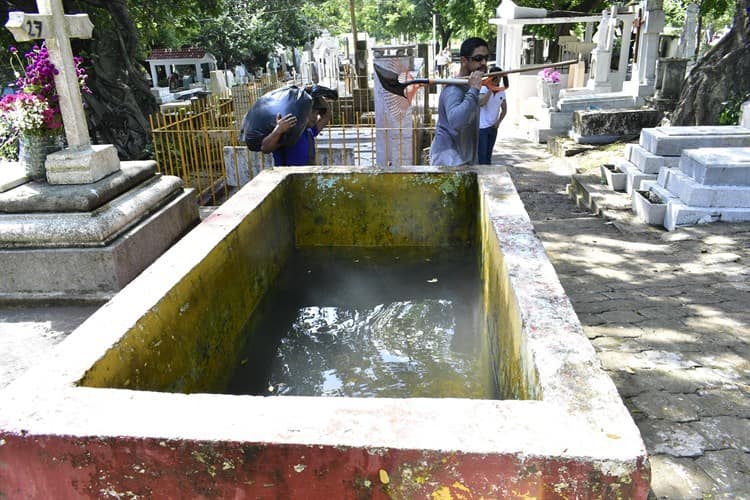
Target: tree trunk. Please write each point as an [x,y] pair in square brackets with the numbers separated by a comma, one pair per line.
[721,74]
[117,110]
[121,99]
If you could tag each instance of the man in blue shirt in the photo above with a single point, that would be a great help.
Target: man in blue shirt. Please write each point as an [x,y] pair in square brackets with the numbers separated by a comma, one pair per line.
[456,139]
[301,152]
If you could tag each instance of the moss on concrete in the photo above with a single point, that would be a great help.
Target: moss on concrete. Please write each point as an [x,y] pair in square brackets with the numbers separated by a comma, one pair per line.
[385,209]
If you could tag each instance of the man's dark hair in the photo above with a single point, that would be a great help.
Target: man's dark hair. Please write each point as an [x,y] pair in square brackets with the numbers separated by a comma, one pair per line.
[467,48]
[497,69]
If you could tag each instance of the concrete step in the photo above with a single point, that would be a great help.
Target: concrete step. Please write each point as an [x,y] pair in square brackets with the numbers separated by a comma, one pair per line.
[696,194]
[646,162]
[671,141]
[678,213]
[717,166]
[636,178]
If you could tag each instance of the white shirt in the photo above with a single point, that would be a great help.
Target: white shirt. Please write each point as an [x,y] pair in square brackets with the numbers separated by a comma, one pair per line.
[489,113]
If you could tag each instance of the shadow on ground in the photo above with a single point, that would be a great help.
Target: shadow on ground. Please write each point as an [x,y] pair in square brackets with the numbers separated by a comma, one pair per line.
[669,316]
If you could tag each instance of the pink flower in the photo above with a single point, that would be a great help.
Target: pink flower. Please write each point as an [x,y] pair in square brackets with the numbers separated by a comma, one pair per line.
[37,108]
[549,75]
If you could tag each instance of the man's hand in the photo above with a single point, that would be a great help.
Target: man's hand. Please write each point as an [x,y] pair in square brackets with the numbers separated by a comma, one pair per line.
[272,141]
[475,79]
[285,123]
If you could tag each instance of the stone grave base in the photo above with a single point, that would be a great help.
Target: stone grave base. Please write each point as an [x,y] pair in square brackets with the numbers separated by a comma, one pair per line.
[88,241]
[635,178]
[609,125]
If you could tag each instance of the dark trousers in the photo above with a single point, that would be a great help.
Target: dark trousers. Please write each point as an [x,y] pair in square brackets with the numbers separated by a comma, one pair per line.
[487,138]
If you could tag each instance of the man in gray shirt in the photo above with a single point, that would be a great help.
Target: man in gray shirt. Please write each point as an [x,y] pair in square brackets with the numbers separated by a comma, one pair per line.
[456,139]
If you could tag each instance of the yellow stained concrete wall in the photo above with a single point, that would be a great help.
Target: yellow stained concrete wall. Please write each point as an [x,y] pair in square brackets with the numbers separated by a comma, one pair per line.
[187,340]
[385,209]
[503,326]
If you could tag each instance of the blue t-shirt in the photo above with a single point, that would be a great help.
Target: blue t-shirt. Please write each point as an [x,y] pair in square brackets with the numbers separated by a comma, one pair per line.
[300,153]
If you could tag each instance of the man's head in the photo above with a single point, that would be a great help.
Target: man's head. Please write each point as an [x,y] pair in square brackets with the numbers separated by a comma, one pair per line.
[474,55]
[494,69]
[320,107]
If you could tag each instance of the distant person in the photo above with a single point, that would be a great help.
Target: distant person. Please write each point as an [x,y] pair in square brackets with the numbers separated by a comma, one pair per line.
[456,139]
[301,152]
[443,60]
[492,109]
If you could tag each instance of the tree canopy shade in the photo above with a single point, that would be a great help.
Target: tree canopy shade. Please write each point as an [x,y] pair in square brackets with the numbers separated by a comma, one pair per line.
[720,76]
[247,30]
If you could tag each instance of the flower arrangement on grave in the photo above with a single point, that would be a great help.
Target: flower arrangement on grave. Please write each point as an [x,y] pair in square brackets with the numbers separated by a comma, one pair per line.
[548,86]
[31,117]
[35,109]
[549,75]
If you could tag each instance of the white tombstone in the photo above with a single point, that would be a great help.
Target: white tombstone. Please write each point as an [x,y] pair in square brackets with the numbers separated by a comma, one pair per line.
[745,115]
[218,84]
[651,24]
[80,162]
[601,56]
[240,73]
[689,34]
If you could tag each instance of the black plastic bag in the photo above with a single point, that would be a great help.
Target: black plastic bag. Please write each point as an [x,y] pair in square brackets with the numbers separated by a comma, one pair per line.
[260,120]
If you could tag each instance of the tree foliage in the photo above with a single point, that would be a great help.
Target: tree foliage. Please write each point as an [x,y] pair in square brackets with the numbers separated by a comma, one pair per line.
[247,30]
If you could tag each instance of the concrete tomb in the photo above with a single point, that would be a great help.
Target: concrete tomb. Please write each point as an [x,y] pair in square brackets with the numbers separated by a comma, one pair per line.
[97,223]
[124,404]
[663,146]
[712,184]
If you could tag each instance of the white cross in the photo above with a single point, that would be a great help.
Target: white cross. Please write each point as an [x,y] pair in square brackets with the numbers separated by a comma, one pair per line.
[56,28]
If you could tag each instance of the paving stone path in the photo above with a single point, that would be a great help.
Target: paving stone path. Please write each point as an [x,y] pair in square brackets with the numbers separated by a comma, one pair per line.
[669,315]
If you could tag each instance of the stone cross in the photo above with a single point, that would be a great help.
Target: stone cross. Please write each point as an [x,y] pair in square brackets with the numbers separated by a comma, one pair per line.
[80,163]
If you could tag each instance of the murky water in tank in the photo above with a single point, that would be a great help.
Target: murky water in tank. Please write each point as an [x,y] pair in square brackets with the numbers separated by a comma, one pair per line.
[369,323]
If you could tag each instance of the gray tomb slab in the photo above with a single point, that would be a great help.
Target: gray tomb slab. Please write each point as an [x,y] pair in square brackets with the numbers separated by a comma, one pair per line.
[42,197]
[680,214]
[649,163]
[671,141]
[612,100]
[717,166]
[695,194]
[609,125]
[89,229]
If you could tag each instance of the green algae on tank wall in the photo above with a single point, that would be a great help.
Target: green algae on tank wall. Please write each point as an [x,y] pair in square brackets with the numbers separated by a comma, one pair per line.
[389,209]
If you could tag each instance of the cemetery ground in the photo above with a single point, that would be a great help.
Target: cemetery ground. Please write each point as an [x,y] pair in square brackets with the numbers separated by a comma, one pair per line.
[666,311]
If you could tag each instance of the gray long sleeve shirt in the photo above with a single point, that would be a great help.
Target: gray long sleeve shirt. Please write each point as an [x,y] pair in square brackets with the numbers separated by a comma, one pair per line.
[456,139]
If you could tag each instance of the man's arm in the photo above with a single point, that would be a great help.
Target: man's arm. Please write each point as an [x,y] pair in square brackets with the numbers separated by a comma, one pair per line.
[461,104]
[503,112]
[484,95]
[272,141]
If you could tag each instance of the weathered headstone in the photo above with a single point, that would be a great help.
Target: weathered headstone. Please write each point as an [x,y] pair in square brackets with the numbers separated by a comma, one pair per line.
[601,56]
[745,115]
[689,34]
[80,162]
[218,85]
